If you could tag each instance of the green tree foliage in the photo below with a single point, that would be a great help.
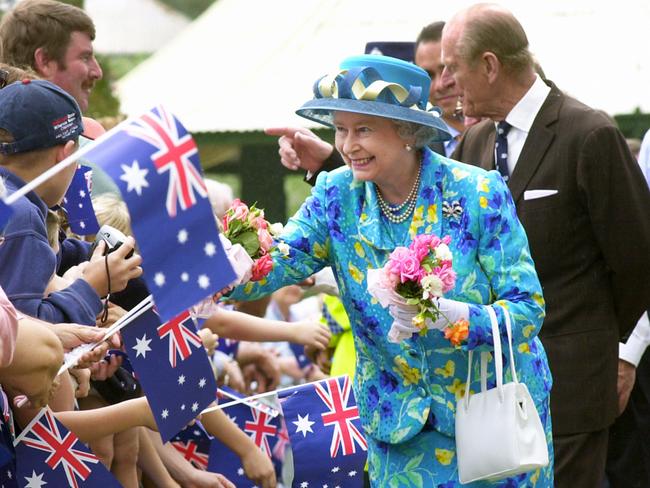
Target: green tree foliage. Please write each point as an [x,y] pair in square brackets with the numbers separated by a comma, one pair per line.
[191,8]
[102,103]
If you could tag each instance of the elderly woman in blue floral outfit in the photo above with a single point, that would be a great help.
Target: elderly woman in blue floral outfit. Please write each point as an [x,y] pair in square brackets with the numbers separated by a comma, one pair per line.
[392,189]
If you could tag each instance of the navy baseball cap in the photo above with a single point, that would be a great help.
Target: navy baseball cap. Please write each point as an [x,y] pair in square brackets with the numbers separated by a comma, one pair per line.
[38,114]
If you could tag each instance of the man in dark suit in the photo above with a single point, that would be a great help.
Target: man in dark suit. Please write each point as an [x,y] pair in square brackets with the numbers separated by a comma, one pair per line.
[584,204]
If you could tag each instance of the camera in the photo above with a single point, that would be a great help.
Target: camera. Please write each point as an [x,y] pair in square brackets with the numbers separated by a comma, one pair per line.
[113,239]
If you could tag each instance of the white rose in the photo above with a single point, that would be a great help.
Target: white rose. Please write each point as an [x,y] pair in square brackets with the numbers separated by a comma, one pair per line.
[276,229]
[283,248]
[443,253]
[432,286]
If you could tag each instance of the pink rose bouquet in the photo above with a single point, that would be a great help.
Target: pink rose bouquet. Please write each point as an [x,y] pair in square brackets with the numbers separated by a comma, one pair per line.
[247,226]
[416,277]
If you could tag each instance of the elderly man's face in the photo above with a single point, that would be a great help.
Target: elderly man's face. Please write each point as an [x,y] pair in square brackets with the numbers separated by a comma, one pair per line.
[474,91]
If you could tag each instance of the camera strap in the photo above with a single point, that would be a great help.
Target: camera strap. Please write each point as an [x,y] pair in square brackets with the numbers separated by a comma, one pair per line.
[104,316]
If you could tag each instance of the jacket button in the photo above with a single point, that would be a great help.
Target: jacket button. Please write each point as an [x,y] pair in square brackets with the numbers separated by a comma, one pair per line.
[422,392]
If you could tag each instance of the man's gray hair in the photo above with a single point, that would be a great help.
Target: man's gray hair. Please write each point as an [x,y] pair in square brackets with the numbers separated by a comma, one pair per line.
[490,28]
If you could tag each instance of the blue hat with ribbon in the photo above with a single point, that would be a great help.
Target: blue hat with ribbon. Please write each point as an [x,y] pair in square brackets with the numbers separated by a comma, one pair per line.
[376,85]
[38,114]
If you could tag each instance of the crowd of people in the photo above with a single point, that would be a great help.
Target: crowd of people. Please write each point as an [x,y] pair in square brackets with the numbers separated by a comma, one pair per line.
[543,204]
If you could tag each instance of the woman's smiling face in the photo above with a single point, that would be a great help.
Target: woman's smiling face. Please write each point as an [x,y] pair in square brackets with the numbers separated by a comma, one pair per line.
[370,146]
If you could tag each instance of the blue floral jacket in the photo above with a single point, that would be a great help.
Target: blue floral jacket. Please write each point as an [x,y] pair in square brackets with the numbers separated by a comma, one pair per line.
[399,386]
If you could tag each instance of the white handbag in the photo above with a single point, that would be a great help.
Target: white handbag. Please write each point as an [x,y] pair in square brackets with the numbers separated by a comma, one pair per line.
[498,431]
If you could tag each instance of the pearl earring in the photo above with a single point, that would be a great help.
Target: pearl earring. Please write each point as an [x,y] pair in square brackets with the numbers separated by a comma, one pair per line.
[408,147]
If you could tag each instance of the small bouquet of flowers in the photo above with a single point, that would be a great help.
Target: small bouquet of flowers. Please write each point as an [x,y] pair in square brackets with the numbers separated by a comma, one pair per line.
[415,278]
[247,227]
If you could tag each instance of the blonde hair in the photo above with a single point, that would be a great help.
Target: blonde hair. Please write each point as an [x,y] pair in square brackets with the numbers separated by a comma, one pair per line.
[111,210]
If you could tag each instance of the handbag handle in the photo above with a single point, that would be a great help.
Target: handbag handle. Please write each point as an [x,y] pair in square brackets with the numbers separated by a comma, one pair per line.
[498,361]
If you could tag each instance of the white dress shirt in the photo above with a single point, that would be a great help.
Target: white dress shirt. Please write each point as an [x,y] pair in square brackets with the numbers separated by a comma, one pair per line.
[451,144]
[521,118]
[636,344]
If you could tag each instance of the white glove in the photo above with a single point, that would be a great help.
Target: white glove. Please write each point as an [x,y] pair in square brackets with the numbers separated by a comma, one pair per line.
[450,312]
[403,328]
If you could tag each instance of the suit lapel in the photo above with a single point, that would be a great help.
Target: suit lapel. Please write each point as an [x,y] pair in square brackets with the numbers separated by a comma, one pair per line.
[537,143]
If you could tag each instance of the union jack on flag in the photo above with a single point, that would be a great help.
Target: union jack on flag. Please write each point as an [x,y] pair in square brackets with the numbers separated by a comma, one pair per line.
[180,337]
[193,442]
[154,163]
[190,451]
[283,441]
[323,422]
[263,430]
[174,147]
[339,414]
[47,453]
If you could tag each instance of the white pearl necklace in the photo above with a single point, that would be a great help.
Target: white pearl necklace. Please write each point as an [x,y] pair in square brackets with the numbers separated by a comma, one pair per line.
[394,213]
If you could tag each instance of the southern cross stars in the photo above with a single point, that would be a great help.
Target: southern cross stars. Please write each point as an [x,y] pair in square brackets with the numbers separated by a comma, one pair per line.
[159,279]
[303,425]
[134,177]
[35,480]
[210,249]
[142,346]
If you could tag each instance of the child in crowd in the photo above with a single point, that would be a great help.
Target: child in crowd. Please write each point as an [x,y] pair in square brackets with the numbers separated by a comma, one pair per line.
[39,126]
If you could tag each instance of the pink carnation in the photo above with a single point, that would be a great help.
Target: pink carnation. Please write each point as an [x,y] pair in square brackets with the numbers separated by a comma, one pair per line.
[421,245]
[266,241]
[261,267]
[405,263]
[389,280]
[259,223]
[239,210]
[447,275]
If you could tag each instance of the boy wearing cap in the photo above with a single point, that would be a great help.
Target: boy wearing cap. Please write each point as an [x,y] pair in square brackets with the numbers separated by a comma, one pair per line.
[39,127]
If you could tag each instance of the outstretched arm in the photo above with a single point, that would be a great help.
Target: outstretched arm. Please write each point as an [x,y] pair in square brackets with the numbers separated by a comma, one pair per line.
[246,327]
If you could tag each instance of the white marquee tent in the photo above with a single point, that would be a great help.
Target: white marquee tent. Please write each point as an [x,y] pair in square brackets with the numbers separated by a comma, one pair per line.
[128,26]
[248,64]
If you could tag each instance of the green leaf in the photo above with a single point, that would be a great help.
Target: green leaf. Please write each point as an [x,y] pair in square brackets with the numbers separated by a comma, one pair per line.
[412,301]
[415,478]
[249,241]
[400,434]
[414,462]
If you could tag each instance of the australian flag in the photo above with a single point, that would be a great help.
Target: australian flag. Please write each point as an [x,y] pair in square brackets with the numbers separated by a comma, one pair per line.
[193,442]
[260,426]
[155,163]
[78,205]
[298,351]
[173,369]
[323,423]
[48,454]
[7,453]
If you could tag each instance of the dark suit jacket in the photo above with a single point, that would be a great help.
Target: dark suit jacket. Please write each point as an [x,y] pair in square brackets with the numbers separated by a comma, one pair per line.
[590,243]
